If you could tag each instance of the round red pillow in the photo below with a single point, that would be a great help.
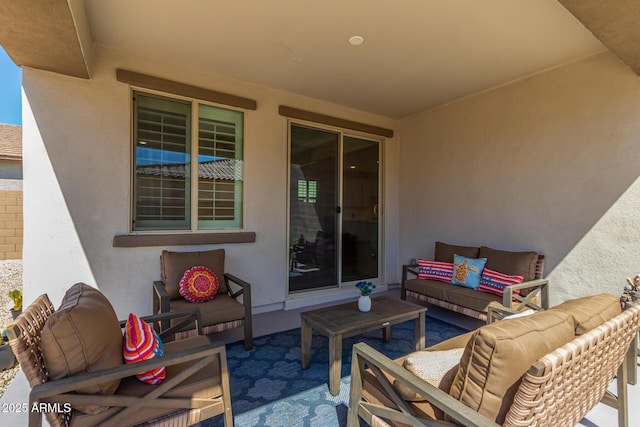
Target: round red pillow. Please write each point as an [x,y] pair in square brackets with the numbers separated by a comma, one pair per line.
[199,284]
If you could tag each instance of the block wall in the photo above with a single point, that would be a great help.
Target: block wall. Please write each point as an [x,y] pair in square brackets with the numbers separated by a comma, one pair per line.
[11,224]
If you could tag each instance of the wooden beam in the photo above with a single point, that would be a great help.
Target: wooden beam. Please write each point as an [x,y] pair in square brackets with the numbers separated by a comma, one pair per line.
[310,116]
[183,89]
[163,240]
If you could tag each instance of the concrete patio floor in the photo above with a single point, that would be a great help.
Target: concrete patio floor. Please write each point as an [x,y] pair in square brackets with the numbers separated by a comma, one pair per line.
[268,323]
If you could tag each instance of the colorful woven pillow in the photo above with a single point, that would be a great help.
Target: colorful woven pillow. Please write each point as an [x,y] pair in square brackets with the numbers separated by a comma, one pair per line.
[467,271]
[494,282]
[142,343]
[434,270]
[199,284]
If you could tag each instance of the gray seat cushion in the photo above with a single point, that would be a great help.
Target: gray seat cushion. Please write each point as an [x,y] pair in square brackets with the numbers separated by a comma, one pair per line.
[469,298]
[430,288]
[459,295]
[222,308]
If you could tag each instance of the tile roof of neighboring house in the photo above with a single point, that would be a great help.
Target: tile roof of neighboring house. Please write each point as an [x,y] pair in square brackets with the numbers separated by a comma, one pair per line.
[10,142]
[228,169]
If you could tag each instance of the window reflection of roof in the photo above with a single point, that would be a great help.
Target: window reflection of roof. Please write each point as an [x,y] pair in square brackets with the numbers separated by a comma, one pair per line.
[227,169]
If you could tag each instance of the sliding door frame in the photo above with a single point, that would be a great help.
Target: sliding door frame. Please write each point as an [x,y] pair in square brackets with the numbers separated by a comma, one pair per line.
[341,286]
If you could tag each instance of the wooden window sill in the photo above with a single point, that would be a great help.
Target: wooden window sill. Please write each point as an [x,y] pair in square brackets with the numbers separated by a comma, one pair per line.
[182,239]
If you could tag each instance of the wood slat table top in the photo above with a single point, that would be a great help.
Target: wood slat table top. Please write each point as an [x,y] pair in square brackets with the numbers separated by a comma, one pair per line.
[346,319]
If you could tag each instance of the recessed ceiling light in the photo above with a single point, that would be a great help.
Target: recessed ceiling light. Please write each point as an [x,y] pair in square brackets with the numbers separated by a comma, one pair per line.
[356,40]
[352,167]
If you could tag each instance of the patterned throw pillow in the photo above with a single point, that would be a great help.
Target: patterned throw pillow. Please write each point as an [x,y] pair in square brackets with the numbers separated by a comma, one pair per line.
[467,271]
[434,270]
[142,343]
[494,282]
[199,284]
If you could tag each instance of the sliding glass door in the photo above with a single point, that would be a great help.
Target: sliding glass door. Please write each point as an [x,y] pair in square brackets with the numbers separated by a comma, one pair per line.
[313,206]
[333,209]
[360,209]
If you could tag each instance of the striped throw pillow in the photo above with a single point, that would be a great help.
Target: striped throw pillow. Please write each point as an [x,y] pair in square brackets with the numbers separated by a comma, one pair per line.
[494,282]
[142,343]
[434,270]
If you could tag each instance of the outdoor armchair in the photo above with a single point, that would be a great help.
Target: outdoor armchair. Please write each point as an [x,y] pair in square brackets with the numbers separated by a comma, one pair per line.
[229,309]
[558,388]
[196,386]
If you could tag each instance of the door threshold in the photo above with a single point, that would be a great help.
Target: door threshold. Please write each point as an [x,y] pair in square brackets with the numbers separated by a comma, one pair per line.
[306,299]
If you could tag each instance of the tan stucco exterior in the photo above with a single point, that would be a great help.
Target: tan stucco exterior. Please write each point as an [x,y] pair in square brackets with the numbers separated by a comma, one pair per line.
[546,164]
[77,180]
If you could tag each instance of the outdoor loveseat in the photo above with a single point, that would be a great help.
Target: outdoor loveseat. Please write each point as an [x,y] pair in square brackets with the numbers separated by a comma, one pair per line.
[547,369]
[437,289]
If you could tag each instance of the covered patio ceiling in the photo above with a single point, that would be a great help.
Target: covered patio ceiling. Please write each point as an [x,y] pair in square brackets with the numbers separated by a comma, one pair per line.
[416,54]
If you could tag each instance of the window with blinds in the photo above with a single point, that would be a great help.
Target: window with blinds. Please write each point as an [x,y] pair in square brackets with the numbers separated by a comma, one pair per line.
[307,191]
[219,167]
[164,173]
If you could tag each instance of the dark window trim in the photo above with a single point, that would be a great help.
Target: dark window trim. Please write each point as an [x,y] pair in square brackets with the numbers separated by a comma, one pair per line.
[186,90]
[183,239]
[310,116]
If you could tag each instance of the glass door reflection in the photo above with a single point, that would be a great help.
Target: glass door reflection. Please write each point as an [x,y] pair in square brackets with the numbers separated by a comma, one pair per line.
[360,174]
[313,203]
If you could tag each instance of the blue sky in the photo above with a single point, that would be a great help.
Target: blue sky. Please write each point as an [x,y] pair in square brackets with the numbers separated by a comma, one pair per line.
[10,97]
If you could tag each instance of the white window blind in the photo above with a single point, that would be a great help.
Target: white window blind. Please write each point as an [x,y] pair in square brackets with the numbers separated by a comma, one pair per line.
[219,167]
[163,179]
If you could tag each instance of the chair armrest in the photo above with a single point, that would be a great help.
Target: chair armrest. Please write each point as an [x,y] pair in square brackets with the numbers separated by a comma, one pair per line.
[364,355]
[497,311]
[538,286]
[245,288]
[161,303]
[79,381]
[161,299]
[245,291]
[409,269]
[406,271]
[190,316]
[537,283]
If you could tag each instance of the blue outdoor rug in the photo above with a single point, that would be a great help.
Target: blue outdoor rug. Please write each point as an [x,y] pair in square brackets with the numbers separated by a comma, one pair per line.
[270,388]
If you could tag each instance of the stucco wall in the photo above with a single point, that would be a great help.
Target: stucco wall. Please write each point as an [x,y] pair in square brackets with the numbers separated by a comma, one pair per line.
[548,163]
[77,181]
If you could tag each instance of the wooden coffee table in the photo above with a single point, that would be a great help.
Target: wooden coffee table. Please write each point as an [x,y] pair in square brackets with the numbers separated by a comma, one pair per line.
[344,320]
